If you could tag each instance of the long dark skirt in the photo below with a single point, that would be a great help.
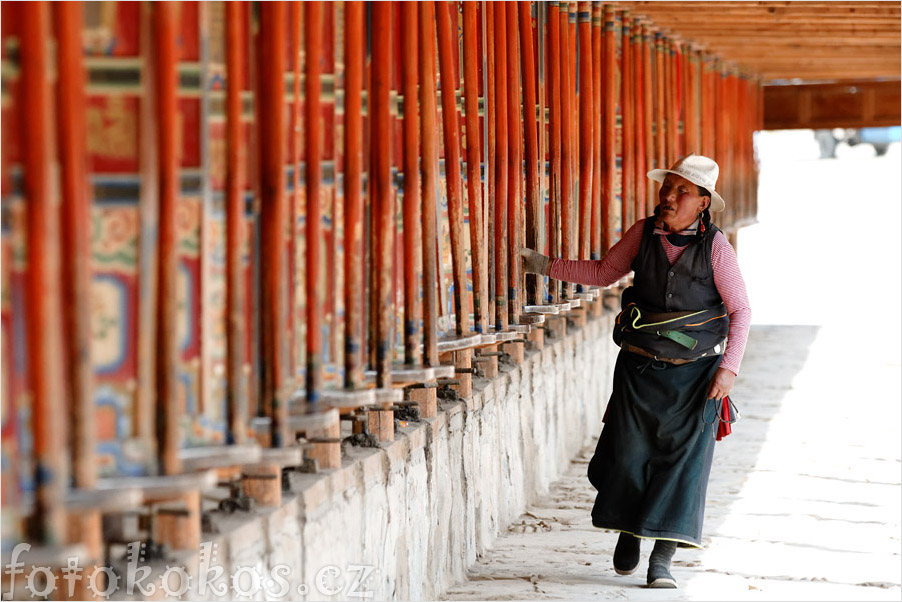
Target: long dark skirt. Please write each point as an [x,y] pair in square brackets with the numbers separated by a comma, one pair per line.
[654,454]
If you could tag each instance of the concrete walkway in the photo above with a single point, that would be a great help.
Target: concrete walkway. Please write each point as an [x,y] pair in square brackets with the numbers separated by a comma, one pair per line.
[805,497]
[803,502]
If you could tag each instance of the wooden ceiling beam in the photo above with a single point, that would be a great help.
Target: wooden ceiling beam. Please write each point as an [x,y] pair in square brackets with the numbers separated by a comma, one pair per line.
[785,40]
[766,23]
[820,53]
[820,75]
[853,12]
[759,6]
[794,42]
[740,31]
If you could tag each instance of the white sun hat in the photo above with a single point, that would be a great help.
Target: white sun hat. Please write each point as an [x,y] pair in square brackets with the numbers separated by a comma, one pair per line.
[699,170]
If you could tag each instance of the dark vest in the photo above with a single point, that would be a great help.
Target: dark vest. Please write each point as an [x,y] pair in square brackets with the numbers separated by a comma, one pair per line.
[687,285]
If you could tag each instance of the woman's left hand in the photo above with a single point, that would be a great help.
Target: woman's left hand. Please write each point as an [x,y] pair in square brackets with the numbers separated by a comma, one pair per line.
[721,384]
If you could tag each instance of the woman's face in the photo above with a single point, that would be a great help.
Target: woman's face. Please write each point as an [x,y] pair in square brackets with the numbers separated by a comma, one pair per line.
[680,202]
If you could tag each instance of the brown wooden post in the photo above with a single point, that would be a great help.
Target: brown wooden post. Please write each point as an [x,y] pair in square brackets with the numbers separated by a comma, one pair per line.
[567,172]
[167,412]
[43,293]
[430,181]
[76,222]
[500,219]
[598,130]
[530,128]
[273,21]
[451,130]
[626,119]
[383,210]
[474,155]
[610,127]
[639,123]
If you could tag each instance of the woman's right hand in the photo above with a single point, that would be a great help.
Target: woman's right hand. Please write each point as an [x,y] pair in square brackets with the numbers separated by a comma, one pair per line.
[533,262]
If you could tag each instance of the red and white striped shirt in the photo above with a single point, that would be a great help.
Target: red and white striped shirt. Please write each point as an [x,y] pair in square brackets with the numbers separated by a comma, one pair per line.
[727,278]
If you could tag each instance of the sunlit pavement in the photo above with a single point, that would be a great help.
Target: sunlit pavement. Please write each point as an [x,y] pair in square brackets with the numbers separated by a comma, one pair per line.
[805,497]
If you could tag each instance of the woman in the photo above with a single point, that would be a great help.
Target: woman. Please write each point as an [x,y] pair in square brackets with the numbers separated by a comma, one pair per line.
[654,455]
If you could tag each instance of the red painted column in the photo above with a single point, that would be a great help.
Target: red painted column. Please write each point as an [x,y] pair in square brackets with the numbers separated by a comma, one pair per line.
[312,174]
[693,137]
[451,129]
[639,164]
[649,112]
[474,180]
[707,106]
[721,152]
[586,127]
[531,147]
[236,406]
[660,104]
[491,156]
[574,129]
[598,127]
[294,199]
[355,40]
[669,101]
[273,22]
[679,109]
[610,128]
[514,168]
[383,214]
[566,144]
[166,79]
[626,120]
[76,233]
[43,293]
[430,180]
[554,136]
[413,260]
[500,220]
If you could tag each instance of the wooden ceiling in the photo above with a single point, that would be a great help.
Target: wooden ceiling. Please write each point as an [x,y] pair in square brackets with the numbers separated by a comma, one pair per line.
[789,42]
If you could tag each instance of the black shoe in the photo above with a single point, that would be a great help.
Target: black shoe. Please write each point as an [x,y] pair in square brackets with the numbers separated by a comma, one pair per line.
[659,576]
[626,554]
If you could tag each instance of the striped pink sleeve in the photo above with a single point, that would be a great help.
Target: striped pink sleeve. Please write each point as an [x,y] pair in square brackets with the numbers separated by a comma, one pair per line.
[605,272]
[731,286]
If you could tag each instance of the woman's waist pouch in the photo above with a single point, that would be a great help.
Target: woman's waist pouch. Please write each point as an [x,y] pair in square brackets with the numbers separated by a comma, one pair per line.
[684,335]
